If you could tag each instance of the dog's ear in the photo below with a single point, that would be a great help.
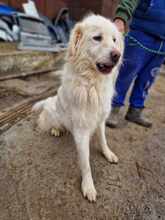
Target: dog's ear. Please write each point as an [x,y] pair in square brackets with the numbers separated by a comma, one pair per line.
[75,39]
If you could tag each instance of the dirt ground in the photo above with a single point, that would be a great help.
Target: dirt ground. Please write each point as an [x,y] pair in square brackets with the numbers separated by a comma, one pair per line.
[40,179]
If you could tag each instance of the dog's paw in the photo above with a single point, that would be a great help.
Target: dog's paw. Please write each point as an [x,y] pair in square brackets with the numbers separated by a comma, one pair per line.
[111,157]
[89,190]
[56,132]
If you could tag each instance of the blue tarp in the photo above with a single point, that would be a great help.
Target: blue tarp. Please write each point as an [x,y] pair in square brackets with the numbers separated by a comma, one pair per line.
[6,10]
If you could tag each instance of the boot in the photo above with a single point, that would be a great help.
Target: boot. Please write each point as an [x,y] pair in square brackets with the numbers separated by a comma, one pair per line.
[135,115]
[113,119]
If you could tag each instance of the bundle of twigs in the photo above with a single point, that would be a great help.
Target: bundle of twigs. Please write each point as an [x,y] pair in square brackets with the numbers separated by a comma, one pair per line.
[21,110]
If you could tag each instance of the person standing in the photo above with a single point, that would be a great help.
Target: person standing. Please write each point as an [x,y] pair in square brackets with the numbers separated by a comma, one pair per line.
[144,53]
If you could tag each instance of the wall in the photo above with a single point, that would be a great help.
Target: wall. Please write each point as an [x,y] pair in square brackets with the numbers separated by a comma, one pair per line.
[78,8]
[109,7]
[49,8]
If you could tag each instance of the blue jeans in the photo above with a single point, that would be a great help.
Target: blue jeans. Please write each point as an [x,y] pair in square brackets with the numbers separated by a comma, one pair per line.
[139,67]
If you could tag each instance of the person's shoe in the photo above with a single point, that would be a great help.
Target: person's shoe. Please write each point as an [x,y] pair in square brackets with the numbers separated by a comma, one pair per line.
[113,119]
[135,115]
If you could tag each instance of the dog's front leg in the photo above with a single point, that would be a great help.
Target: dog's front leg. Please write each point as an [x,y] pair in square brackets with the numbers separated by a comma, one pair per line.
[109,155]
[87,185]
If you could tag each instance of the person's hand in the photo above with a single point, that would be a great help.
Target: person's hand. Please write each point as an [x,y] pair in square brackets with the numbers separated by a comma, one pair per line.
[120,25]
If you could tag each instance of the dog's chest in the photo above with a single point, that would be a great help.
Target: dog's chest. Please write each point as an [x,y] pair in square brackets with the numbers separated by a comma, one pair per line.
[105,98]
[99,101]
[86,105]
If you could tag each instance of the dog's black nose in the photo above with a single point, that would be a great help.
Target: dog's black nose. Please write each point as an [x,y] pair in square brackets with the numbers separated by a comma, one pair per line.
[115,56]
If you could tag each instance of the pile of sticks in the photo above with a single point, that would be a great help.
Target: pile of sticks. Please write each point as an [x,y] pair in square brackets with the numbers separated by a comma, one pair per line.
[21,110]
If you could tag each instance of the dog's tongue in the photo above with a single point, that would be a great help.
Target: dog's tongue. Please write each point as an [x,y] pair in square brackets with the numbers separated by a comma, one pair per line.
[104,68]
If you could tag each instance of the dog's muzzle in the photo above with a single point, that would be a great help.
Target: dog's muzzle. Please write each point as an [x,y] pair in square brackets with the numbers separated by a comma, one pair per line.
[104,68]
[107,67]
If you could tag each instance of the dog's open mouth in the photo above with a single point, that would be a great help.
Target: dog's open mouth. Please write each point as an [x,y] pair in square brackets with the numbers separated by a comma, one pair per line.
[104,67]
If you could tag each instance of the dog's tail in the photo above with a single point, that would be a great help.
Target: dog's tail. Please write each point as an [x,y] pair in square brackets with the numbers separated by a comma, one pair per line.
[38,106]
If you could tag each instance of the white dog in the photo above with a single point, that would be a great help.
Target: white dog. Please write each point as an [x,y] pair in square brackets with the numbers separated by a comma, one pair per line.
[83,101]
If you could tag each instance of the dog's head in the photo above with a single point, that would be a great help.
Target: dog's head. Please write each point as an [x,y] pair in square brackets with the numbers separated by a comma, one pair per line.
[97,42]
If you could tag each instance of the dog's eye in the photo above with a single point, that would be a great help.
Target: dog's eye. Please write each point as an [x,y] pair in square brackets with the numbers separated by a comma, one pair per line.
[97,38]
[114,39]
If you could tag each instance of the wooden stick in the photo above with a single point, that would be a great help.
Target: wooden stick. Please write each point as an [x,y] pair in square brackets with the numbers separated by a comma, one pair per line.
[11,115]
[23,108]
[15,53]
[24,75]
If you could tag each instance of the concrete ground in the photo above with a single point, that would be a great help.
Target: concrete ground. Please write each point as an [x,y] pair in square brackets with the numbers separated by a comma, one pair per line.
[40,179]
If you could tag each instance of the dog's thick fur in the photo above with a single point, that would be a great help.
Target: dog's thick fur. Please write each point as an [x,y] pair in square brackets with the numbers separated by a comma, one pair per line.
[83,102]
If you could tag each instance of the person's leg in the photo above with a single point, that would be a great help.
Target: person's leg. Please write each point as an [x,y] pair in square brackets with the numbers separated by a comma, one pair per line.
[143,83]
[133,59]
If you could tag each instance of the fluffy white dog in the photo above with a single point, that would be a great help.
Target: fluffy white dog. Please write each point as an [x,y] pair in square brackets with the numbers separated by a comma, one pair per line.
[83,101]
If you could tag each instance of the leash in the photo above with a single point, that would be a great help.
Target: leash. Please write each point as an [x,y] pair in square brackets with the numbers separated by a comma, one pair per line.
[159,52]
